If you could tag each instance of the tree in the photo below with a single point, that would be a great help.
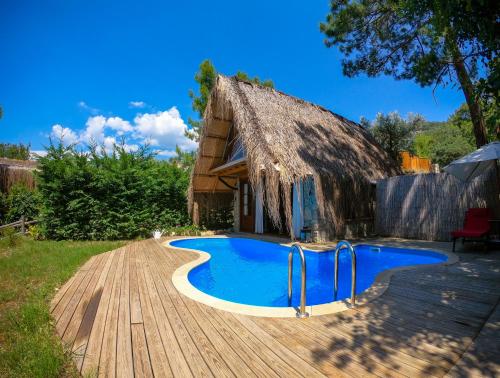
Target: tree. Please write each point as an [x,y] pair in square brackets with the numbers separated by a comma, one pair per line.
[442,144]
[393,133]
[431,42]
[184,160]
[15,151]
[205,77]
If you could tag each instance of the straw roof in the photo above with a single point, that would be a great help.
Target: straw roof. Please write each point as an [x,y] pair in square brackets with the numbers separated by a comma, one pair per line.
[286,139]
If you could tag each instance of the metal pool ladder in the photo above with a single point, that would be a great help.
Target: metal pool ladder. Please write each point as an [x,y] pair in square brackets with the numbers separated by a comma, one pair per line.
[343,244]
[302,310]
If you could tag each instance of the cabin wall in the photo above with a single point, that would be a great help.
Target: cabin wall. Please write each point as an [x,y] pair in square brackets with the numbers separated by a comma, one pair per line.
[236,208]
[214,211]
[349,205]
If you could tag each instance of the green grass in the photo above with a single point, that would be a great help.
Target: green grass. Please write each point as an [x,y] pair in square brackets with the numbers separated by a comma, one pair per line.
[30,273]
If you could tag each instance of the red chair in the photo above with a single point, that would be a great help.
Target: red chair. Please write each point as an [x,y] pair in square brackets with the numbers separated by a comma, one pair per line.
[476,225]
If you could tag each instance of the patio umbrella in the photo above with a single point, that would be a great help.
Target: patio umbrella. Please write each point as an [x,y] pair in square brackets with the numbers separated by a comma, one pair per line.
[475,163]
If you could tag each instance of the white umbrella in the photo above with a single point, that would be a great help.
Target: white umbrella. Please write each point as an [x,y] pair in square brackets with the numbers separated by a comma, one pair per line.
[475,163]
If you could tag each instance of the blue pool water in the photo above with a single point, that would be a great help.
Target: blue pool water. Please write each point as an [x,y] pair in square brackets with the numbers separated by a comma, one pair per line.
[255,272]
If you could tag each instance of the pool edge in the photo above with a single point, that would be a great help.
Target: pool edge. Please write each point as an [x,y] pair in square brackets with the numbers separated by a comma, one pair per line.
[382,281]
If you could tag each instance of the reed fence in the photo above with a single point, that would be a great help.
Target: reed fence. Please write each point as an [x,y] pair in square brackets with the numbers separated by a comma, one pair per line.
[430,206]
[13,172]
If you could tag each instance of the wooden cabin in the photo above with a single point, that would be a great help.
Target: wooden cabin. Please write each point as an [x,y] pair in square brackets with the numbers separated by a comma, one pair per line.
[279,164]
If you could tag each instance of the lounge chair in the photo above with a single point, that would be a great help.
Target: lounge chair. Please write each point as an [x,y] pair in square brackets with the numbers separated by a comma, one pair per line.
[476,226]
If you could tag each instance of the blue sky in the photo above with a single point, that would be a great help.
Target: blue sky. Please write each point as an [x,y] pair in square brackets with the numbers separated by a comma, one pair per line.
[103,69]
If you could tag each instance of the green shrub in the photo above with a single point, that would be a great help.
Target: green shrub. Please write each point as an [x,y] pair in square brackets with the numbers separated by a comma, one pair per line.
[11,235]
[36,232]
[22,201]
[120,195]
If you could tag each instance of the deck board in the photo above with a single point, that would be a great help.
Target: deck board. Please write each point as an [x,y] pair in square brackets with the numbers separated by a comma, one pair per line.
[121,316]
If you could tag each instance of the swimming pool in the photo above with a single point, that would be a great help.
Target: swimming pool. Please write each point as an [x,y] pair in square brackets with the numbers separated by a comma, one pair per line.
[254,272]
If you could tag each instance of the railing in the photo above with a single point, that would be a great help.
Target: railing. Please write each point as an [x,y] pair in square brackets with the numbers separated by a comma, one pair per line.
[301,313]
[343,244]
[22,223]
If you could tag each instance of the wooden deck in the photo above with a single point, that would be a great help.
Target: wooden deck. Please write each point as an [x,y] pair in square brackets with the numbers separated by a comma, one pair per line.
[121,316]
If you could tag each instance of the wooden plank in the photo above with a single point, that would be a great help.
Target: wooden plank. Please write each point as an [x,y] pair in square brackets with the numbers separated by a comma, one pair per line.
[188,346]
[174,352]
[135,301]
[142,364]
[107,359]
[86,324]
[124,362]
[78,316]
[65,287]
[259,348]
[313,352]
[97,307]
[280,349]
[254,362]
[378,354]
[75,302]
[59,303]
[212,357]
[157,354]
[94,345]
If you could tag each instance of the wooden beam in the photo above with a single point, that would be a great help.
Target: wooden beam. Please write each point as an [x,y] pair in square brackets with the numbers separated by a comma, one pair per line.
[220,137]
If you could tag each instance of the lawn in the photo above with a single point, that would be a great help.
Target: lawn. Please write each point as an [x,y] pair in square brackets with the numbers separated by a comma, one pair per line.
[30,273]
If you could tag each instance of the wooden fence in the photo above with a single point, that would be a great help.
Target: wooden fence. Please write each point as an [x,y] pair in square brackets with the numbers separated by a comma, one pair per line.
[430,206]
[412,163]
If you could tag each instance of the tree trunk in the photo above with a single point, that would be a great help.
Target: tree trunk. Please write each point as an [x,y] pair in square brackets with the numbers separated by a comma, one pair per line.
[472,99]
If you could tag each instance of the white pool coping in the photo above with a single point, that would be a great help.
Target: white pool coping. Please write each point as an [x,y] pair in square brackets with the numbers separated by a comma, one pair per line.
[379,286]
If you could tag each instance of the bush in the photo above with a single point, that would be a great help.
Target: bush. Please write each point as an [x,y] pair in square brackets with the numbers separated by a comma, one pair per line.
[36,232]
[11,235]
[120,195]
[22,201]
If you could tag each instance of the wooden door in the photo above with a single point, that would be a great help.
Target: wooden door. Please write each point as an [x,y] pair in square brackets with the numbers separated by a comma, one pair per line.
[247,207]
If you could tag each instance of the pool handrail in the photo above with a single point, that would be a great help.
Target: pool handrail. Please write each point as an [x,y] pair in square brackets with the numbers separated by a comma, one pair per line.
[344,244]
[302,310]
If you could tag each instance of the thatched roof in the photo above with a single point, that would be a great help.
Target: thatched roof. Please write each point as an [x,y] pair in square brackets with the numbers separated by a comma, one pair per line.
[286,139]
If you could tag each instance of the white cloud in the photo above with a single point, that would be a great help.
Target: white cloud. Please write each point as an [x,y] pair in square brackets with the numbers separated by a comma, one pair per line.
[166,129]
[94,131]
[166,153]
[137,104]
[63,134]
[84,106]
[36,153]
[119,125]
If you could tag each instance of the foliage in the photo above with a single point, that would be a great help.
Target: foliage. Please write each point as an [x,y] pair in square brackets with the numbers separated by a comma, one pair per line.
[443,144]
[30,347]
[120,195]
[36,232]
[3,207]
[11,235]
[189,230]
[393,133]
[217,218]
[461,118]
[431,42]
[15,151]
[184,160]
[205,77]
[22,201]
[255,80]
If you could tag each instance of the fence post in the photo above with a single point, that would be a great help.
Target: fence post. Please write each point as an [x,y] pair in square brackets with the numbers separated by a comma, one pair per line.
[23,227]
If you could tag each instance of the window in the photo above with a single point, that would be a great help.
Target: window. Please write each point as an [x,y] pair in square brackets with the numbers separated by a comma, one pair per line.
[245,199]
